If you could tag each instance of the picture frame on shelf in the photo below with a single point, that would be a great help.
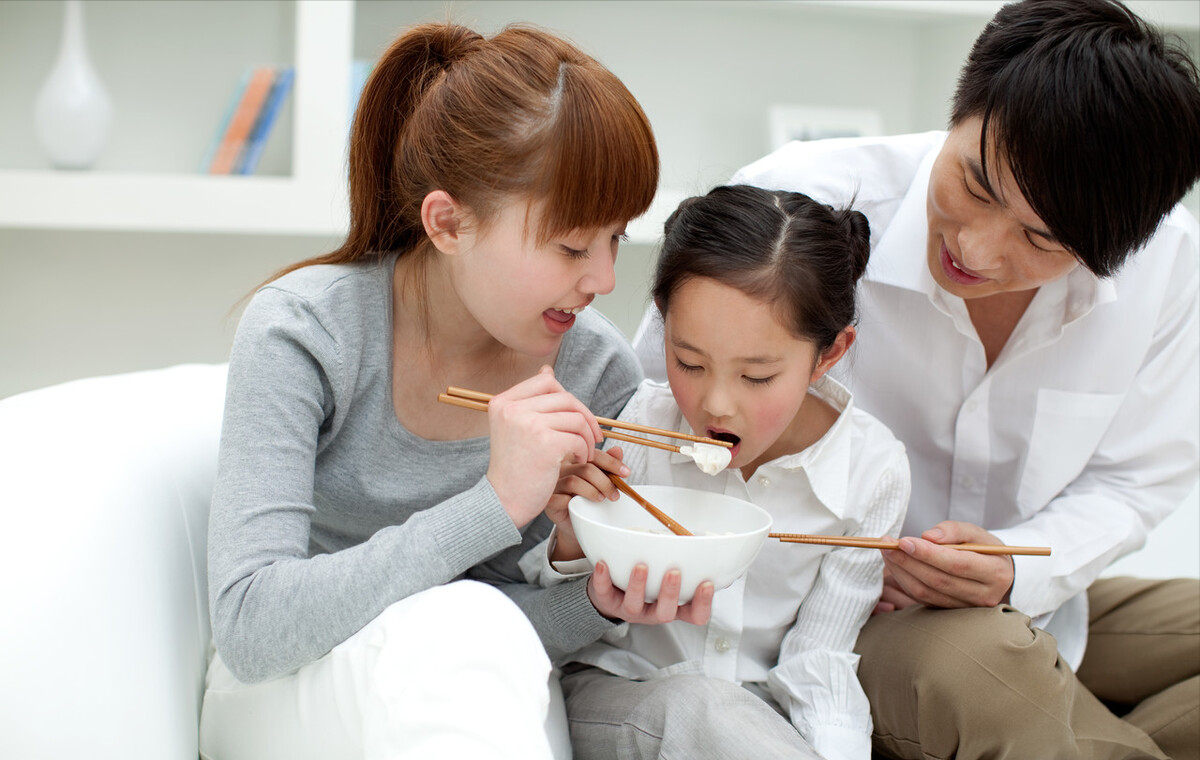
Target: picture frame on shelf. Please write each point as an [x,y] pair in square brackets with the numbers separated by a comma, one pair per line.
[787,122]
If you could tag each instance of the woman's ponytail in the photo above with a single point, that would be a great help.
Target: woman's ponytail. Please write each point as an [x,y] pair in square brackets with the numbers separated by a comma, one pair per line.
[384,214]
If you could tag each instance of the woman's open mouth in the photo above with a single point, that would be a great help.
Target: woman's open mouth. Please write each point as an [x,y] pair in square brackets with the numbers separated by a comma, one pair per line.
[560,320]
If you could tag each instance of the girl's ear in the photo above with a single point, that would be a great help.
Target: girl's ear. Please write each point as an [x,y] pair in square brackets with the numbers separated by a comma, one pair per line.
[443,217]
[833,354]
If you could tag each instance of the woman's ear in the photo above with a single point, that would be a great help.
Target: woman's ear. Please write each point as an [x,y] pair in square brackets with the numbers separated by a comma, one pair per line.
[442,217]
[833,354]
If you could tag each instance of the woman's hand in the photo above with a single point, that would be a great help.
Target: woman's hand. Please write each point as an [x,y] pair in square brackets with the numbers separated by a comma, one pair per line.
[535,427]
[922,572]
[630,605]
[590,481]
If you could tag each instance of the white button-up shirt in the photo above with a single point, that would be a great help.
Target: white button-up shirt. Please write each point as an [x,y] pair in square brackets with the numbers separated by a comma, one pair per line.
[788,627]
[1083,435]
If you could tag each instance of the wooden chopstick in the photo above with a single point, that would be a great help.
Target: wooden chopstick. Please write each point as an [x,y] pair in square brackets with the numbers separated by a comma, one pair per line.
[618,481]
[482,406]
[479,396]
[878,543]
[660,515]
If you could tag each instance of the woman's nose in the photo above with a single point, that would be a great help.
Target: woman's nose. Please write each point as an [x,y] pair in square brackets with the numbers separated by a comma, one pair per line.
[601,275]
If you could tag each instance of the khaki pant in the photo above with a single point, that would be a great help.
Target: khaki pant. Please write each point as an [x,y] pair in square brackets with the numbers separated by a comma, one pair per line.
[982,683]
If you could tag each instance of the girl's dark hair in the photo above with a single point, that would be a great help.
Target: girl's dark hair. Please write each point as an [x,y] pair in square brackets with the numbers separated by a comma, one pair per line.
[782,248]
[1097,114]
[521,114]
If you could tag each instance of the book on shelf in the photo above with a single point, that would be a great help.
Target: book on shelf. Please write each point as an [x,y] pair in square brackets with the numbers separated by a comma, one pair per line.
[243,117]
[252,152]
[211,153]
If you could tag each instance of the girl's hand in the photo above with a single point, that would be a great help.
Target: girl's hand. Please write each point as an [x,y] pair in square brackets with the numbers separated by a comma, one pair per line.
[535,427]
[922,572]
[630,605]
[587,480]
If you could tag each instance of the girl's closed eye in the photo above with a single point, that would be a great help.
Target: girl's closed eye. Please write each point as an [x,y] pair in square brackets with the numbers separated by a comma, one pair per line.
[574,253]
[760,380]
[687,367]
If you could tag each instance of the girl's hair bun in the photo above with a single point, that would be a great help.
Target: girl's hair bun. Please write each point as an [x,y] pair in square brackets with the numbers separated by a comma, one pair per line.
[857,230]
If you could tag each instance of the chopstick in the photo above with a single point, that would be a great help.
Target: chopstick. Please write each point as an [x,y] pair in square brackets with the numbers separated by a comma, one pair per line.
[479,396]
[482,406]
[879,543]
[617,480]
[660,515]
[459,395]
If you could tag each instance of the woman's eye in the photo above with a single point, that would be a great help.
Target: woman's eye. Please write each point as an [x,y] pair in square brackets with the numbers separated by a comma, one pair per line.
[759,380]
[686,367]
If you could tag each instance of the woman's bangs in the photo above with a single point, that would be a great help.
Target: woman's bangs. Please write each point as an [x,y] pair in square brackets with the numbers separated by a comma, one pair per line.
[603,162]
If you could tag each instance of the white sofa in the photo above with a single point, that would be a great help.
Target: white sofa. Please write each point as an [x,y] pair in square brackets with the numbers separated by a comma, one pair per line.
[104,631]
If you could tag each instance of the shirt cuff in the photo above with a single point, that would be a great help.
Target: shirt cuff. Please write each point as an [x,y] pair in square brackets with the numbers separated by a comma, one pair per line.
[1033,588]
[840,743]
[540,571]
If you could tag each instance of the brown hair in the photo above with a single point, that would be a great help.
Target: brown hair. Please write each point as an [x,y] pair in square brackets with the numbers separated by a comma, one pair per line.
[522,114]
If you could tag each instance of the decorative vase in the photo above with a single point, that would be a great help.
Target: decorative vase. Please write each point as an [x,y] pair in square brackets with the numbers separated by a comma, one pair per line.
[73,113]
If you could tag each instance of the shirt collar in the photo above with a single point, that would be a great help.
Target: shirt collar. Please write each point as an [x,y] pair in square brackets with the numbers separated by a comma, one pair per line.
[826,463]
[899,256]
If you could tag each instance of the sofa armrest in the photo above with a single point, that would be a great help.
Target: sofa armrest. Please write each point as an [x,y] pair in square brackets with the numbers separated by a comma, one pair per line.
[105,486]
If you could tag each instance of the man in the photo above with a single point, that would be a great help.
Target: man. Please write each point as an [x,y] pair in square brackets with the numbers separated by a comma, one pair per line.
[1029,331]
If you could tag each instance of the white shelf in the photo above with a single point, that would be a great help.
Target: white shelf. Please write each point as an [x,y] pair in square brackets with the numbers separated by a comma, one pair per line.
[311,201]
[171,203]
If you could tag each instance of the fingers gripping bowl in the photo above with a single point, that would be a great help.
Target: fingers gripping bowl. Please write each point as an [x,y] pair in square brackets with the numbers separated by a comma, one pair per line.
[728,535]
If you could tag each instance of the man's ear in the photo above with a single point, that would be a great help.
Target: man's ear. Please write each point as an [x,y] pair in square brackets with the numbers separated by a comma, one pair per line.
[442,217]
[834,354]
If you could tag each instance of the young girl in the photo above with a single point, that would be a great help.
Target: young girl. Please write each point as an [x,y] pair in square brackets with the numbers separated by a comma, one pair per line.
[757,291]
[490,183]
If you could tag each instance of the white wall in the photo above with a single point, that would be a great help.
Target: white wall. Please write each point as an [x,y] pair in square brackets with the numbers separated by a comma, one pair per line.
[76,304]
[705,73]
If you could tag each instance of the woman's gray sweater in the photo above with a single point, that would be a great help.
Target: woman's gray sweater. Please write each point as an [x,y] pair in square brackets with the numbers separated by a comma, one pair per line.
[327,510]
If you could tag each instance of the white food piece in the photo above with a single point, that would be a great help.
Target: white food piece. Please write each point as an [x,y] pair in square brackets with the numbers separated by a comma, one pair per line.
[709,458]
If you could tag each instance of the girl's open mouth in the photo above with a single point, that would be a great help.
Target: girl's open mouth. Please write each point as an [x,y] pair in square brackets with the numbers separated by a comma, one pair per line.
[722,435]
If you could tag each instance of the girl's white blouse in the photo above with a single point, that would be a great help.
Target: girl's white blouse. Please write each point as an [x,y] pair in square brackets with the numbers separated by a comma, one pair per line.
[788,627]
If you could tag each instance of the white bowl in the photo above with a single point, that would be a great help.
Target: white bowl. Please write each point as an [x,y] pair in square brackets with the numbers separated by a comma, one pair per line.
[729,533]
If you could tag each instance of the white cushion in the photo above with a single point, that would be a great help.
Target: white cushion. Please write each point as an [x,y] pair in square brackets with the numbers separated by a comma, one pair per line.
[104,494]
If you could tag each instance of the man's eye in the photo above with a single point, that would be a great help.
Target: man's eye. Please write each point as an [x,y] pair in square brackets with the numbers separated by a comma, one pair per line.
[972,193]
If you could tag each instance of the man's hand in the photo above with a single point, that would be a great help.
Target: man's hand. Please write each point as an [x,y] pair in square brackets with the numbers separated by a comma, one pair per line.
[923,572]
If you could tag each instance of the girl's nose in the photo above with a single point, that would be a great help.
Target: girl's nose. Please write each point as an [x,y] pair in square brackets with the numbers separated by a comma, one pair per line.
[717,402]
